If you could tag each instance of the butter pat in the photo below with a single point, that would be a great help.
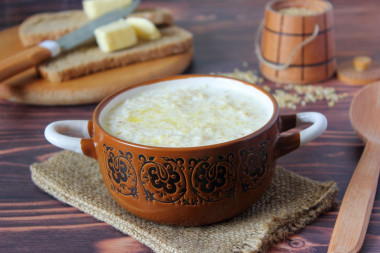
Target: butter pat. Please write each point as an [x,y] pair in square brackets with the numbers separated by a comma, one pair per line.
[115,36]
[96,8]
[362,63]
[144,28]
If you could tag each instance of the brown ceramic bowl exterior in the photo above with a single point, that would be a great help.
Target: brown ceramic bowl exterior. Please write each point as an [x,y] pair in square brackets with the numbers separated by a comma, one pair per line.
[189,186]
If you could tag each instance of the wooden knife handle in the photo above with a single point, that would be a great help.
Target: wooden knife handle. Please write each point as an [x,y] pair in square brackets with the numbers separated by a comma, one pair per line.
[353,217]
[22,61]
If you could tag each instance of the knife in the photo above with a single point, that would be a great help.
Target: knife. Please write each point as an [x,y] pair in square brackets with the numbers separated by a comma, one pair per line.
[48,49]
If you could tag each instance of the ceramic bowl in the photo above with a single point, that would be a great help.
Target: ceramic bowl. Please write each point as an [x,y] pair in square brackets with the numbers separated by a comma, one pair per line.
[187,186]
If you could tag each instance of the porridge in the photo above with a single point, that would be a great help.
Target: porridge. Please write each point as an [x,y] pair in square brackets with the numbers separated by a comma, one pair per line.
[186,115]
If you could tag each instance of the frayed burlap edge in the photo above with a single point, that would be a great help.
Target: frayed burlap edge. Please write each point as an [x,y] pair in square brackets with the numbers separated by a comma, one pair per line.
[98,213]
[282,228]
[278,228]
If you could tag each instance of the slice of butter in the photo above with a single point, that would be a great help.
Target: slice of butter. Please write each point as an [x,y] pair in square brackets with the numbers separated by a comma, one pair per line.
[362,63]
[115,36]
[96,8]
[144,28]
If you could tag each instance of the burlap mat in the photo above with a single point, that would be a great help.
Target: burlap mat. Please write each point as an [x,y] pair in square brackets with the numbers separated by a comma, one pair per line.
[291,202]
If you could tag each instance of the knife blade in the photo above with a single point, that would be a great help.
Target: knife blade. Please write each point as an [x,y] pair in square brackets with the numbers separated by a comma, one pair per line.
[48,49]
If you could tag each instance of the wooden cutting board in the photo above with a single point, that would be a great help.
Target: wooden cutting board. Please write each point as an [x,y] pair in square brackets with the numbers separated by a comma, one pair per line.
[29,88]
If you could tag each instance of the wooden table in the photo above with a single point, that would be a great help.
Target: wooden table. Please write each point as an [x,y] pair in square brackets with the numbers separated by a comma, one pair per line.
[32,221]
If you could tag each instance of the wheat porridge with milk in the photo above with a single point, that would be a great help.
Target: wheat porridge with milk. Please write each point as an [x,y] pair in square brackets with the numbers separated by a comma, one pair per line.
[186,116]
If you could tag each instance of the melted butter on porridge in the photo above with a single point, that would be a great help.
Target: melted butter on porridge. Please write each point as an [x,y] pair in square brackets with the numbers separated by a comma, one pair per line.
[186,117]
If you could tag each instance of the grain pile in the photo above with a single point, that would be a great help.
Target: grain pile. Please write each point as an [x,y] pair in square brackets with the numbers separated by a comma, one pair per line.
[250,76]
[290,95]
[297,11]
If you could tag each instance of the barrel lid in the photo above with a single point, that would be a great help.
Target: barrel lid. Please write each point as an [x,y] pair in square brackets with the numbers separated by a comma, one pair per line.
[360,70]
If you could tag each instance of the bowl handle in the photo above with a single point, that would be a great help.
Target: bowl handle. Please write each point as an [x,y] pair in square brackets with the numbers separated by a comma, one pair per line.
[62,134]
[286,144]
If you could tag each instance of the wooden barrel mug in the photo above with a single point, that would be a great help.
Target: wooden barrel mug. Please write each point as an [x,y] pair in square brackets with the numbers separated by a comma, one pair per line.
[296,48]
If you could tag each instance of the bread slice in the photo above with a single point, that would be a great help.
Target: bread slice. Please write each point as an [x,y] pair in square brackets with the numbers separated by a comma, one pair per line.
[89,59]
[53,25]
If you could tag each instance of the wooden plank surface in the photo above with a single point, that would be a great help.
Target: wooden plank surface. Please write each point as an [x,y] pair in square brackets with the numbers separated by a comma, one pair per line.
[32,221]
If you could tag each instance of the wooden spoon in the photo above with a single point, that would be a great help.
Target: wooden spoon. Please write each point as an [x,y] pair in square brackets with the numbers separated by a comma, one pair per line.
[355,211]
